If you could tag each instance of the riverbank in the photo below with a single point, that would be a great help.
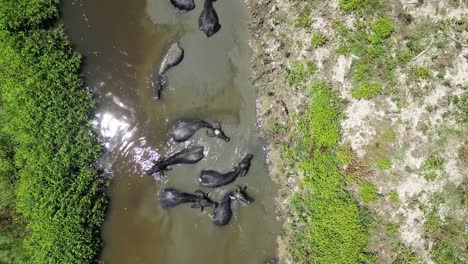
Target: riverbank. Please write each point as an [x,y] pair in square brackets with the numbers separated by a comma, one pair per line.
[397,69]
[52,202]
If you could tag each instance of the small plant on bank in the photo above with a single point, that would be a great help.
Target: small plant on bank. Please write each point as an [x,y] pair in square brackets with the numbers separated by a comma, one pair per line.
[368,193]
[357,5]
[384,163]
[304,20]
[367,90]
[299,71]
[382,27]
[389,134]
[394,197]
[317,40]
[406,256]
[434,162]
[421,72]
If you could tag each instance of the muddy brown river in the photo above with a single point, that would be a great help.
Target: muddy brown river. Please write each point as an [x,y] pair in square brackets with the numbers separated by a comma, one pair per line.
[121,40]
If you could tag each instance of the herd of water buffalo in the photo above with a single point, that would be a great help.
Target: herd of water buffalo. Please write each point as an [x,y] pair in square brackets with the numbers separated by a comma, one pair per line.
[183,130]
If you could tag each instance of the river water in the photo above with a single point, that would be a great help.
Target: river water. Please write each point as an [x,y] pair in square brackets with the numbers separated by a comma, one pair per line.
[121,40]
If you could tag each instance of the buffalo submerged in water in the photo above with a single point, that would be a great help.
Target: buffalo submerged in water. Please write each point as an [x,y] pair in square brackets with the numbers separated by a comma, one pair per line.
[182,130]
[189,155]
[211,178]
[170,197]
[223,212]
[183,5]
[208,21]
[173,56]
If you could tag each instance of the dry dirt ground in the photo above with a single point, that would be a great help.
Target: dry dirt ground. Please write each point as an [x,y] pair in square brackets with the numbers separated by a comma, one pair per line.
[409,142]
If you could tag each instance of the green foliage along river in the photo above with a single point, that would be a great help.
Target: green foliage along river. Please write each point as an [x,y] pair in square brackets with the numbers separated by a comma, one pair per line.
[50,193]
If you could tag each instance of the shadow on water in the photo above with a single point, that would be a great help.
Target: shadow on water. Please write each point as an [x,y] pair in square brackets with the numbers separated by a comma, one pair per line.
[121,40]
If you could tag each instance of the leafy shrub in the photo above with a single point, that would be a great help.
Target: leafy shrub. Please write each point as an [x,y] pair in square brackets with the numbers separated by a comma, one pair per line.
[369,193]
[20,14]
[317,40]
[46,113]
[367,90]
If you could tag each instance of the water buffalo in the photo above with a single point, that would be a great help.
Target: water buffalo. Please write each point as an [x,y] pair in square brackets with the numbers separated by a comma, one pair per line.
[208,21]
[174,55]
[211,178]
[183,5]
[189,155]
[184,129]
[223,212]
[170,197]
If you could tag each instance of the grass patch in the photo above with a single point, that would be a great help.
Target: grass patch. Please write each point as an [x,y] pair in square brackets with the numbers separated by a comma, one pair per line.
[421,72]
[384,163]
[300,71]
[327,214]
[368,193]
[367,90]
[317,40]
[394,197]
[358,6]
[304,19]
[406,256]
[449,238]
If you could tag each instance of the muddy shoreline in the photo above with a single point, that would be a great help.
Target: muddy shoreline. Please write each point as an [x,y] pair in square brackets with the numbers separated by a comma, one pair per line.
[266,73]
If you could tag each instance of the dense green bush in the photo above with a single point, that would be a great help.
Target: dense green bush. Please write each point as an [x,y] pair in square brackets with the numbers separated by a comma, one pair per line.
[11,228]
[331,227]
[46,113]
[20,14]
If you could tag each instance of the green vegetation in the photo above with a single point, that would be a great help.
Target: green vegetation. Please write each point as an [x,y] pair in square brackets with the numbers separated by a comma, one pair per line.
[304,19]
[368,41]
[449,238]
[367,90]
[317,40]
[458,108]
[358,6]
[433,164]
[406,256]
[51,198]
[368,193]
[389,134]
[331,228]
[382,28]
[384,163]
[421,72]
[11,227]
[299,72]
[394,197]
